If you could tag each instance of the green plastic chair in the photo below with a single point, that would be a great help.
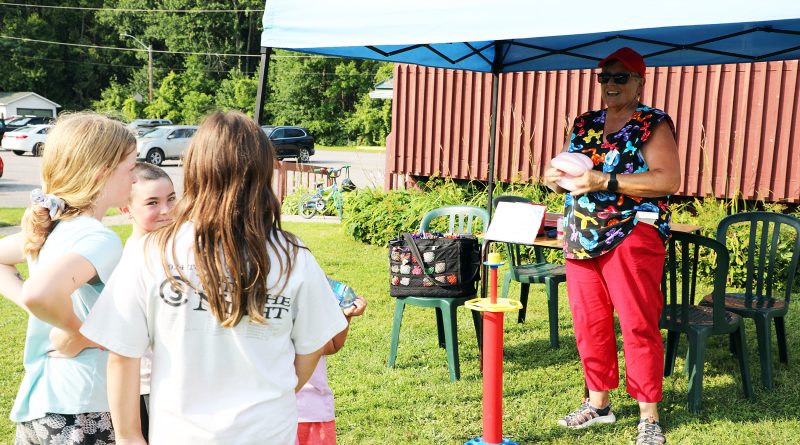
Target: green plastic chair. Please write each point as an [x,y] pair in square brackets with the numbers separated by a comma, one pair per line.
[681,316]
[461,220]
[759,300]
[540,272]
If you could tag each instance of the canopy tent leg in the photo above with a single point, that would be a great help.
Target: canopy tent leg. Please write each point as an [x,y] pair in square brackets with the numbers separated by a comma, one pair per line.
[263,78]
[490,173]
[492,136]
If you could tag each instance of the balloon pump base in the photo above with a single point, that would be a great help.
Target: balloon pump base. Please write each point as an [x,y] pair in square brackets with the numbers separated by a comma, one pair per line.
[479,441]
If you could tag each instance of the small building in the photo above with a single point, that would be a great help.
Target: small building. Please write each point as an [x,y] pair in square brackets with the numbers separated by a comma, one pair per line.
[26,103]
[383,90]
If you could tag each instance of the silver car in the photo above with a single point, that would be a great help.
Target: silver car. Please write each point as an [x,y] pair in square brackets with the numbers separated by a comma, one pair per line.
[167,142]
[142,126]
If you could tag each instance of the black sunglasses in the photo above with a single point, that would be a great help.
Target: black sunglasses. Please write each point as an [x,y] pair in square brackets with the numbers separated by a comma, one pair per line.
[619,78]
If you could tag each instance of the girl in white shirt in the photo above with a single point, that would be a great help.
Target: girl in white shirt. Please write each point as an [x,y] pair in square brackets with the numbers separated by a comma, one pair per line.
[236,310]
[87,168]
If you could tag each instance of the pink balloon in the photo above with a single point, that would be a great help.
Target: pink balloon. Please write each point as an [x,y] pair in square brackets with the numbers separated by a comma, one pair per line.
[567,183]
[572,164]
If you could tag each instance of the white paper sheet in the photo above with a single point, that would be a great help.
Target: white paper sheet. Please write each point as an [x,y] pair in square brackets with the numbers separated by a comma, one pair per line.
[516,222]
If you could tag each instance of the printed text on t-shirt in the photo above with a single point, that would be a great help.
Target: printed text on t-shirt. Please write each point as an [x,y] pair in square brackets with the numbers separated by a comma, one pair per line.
[275,307]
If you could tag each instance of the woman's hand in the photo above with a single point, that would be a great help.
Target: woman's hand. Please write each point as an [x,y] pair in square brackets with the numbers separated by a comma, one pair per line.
[552,175]
[68,345]
[590,181]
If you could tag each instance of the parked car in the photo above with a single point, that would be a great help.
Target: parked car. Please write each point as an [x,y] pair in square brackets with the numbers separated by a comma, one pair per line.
[26,140]
[17,122]
[143,126]
[167,142]
[290,141]
[1,167]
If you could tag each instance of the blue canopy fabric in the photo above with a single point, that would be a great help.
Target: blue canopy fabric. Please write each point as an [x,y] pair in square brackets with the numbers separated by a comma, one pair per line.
[516,35]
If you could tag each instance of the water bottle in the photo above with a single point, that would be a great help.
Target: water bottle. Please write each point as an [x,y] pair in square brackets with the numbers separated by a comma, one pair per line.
[560,228]
[344,293]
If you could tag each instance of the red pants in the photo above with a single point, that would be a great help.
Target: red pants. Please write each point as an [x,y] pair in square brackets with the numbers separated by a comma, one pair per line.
[626,279]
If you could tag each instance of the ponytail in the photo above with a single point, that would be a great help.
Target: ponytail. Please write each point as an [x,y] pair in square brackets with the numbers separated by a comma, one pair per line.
[36,225]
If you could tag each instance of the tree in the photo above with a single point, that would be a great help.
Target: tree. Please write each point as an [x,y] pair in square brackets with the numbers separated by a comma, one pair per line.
[372,119]
[195,105]
[166,100]
[237,92]
[318,93]
[71,76]
[325,94]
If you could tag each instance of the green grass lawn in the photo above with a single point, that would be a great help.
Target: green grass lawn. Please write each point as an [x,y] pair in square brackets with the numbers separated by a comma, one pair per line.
[10,216]
[415,403]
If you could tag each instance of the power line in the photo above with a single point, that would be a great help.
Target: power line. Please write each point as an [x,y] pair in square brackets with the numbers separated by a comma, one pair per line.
[80,45]
[278,72]
[183,11]
[120,65]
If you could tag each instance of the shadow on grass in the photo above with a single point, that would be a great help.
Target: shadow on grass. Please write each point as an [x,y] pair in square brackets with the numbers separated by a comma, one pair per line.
[538,353]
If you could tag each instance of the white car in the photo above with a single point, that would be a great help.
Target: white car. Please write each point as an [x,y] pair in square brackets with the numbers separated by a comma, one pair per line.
[142,126]
[167,142]
[26,140]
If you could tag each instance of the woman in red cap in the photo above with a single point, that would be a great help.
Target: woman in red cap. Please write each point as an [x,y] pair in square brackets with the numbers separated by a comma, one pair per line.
[616,224]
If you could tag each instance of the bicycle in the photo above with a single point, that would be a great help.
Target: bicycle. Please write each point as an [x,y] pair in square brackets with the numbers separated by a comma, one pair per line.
[313,203]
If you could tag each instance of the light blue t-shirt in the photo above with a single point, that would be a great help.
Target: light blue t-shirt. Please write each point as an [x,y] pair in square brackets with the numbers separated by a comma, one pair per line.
[68,385]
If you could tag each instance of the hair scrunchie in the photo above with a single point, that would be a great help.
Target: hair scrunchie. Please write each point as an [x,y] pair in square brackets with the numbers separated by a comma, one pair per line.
[51,202]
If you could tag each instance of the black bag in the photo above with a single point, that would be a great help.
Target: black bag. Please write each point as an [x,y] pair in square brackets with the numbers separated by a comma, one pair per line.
[434,266]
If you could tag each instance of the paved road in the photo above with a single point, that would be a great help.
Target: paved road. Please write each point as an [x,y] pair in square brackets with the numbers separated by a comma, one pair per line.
[22,173]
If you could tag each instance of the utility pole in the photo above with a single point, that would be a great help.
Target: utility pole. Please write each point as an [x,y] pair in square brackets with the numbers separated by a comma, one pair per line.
[149,49]
[150,71]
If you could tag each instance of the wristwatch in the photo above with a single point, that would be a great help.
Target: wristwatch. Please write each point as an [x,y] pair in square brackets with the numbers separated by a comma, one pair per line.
[612,183]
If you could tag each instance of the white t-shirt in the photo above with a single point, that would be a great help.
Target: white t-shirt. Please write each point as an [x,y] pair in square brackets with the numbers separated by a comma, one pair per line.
[146,362]
[209,384]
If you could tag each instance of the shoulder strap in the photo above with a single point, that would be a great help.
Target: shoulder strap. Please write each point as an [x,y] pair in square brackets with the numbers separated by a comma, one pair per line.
[415,251]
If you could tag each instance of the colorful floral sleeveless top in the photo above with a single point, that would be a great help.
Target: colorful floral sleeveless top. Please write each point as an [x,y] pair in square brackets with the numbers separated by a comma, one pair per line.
[598,221]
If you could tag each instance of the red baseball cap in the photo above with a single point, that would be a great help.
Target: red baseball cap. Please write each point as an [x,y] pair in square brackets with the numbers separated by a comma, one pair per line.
[632,60]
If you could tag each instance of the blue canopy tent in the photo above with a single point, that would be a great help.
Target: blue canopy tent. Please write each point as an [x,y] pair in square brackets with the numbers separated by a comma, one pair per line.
[522,35]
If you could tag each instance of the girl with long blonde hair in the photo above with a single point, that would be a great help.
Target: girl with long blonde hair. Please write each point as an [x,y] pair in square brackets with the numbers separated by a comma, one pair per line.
[236,310]
[87,169]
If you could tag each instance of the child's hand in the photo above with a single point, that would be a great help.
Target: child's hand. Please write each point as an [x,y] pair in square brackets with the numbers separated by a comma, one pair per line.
[66,345]
[358,308]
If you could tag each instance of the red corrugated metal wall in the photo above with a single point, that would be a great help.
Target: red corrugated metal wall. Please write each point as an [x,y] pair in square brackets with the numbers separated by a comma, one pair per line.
[738,125]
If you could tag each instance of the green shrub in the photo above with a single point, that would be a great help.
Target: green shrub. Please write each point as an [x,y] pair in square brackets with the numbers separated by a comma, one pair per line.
[375,217]
[291,202]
